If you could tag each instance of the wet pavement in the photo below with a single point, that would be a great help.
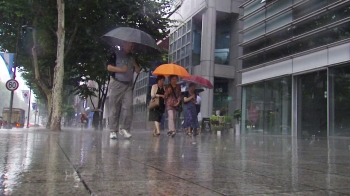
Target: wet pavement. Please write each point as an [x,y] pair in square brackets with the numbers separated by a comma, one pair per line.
[75,162]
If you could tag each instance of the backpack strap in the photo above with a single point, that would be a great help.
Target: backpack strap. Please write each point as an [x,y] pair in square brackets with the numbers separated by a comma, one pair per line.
[112,61]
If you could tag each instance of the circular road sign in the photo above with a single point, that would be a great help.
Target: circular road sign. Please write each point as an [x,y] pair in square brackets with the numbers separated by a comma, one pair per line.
[12,85]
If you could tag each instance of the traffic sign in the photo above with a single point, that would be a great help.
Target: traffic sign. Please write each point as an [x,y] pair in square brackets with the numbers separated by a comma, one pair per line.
[12,85]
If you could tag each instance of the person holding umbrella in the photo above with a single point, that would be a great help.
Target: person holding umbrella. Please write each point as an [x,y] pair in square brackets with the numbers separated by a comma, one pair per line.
[199,82]
[172,94]
[122,65]
[190,100]
[173,99]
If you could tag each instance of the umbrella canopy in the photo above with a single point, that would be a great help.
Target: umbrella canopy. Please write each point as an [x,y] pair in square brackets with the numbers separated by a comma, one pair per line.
[171,69]
[144,43]
[200,81]
[197,90]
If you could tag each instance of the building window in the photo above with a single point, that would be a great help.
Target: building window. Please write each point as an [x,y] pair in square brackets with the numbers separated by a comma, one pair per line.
[253,6]
[304,27]
[220,101]
[308,7]
[254,46]
[279,21]
[312,104]
[339,96]
[266,107]
[255,32]
[322,38]
[311,41]
[254,19]
[277,6]
[223,38]
[196,41]
[254,60]
[340,32]
[180,49]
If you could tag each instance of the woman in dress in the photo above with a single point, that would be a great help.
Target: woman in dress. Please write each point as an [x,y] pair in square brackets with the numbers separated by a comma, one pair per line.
[172,98]
[190,108]
[156,114]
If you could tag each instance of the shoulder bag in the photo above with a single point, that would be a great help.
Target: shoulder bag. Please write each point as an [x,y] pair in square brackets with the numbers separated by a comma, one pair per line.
[154,103]
[179,107]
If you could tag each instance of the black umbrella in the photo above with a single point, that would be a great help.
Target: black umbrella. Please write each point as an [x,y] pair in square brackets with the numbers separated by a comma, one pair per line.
[144,43]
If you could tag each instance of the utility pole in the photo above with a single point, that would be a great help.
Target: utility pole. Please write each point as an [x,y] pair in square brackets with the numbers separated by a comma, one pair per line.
[9,123]
[30,94]
[36,111]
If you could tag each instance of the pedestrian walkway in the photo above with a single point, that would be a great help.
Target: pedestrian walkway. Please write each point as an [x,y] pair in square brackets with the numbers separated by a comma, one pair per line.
[75,162]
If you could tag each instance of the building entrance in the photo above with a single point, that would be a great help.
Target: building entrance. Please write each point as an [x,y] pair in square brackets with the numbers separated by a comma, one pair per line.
[312,104]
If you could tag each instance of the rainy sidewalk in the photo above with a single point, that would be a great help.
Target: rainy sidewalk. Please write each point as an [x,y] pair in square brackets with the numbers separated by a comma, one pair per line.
[75,162]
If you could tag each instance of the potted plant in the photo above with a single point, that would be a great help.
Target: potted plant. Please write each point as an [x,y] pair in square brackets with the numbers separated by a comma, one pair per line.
[214,121]
[228,122]
[217,128]
[237,114]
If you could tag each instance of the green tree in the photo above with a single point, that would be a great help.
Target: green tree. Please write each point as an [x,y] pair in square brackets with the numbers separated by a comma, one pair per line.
[87,22]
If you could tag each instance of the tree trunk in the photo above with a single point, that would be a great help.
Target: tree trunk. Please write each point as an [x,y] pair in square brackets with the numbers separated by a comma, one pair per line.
[49,110]
[42,85]
[101,116]
[59,71]
[103,101]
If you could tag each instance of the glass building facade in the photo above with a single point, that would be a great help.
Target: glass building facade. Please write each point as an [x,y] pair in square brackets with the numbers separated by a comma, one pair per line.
[141,90]
[289,27]
[223,38]
[180,49]
[267,107]
[301,43]
[185,42]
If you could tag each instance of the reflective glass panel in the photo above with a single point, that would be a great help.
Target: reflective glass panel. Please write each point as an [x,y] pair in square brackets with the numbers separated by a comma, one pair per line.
[312,41]
[254,46]
[339,96]
[312,104]
[308,7]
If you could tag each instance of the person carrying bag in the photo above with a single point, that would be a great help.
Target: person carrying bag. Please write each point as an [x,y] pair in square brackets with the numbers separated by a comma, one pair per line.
[157,105]
[173,99]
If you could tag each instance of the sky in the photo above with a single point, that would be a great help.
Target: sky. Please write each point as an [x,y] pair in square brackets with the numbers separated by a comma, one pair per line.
[4,76]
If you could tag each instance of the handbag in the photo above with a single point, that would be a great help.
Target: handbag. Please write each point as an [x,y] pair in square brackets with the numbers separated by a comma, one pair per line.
[154,103]
[179,107]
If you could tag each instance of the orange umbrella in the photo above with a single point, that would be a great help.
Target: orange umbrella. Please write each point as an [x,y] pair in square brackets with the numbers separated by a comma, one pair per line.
[171,69]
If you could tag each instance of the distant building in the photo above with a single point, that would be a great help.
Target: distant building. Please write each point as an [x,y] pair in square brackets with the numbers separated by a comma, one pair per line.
[206,42]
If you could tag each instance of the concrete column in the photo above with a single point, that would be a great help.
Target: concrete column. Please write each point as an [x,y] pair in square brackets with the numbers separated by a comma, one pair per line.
[207,55]
[235,52]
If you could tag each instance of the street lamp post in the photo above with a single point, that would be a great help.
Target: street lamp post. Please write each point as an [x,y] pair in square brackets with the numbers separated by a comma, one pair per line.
[34,47]
[9,119]
[30,94]
[36,111]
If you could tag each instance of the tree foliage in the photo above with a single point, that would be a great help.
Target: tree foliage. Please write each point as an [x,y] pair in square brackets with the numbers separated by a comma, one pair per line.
[86,21]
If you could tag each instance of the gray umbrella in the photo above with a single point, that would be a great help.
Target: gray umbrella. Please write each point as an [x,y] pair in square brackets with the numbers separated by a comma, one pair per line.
[144,42]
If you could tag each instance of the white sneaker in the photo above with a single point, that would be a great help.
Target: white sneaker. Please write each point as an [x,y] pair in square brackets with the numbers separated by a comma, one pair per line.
[113,135]
[125,133]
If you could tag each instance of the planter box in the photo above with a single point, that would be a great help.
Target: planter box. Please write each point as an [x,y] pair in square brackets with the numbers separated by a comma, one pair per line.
[238,129]
[232,131]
